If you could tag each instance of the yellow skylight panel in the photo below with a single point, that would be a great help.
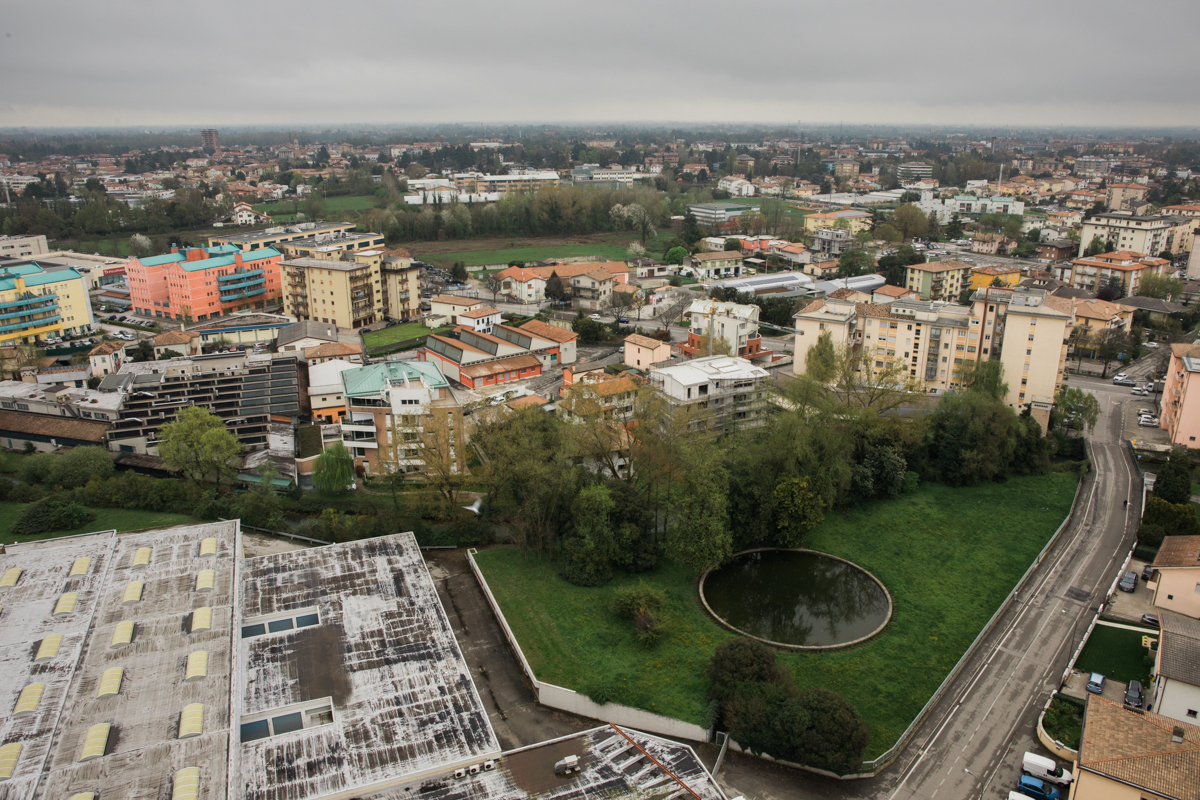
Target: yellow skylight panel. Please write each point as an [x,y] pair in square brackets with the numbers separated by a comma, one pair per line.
[122,634]
[30,696]
[49,647]
[202,619]
[141,557]
[208,547]
[186,785]
[205,579]
[11,576]
[95,741]
[191,721]
[80,567]
[110,682]
[66,603]
[9,754]
[197,665]
[133,592]
[84,796]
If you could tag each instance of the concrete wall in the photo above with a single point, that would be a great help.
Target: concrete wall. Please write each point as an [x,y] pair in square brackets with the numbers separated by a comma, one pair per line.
[568,700]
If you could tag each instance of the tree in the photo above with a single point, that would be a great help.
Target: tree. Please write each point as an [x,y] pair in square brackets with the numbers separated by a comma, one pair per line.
[855,262]
[1078,408]
[140,245]
[888,233]
[259,507]
[333,470]
[640,220]
[1160,287]
[826,187]
[698,537]
[199,445]
[675,255]
[798,511]
[442,452]
[955,229]
[737,662]
[76,467]
[733,244]
[1175,519]
[589,549]
[690,232]
[144,351]
[494,284]
[51,514]
[1112,290]
[671,311]
[1110,344]
[458,272]
[909,220]
[555,289]
[1095,246]
[1174,481]
[820,363]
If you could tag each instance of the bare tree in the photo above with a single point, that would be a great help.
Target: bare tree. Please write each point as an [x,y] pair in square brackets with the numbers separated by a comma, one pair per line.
[494,285]
[671,311]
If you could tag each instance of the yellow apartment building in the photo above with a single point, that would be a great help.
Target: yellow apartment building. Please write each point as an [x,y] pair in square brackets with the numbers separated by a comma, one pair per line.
[37,304]
[401,287]
[983,277]
[939,280]
[347,293]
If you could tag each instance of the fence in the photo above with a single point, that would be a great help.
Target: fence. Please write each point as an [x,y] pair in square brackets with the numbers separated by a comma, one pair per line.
[568,700]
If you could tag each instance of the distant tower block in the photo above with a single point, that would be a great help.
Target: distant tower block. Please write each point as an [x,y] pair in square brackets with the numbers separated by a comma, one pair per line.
[210,140]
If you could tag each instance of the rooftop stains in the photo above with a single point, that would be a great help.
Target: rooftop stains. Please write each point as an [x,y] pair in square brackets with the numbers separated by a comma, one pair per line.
[383,657]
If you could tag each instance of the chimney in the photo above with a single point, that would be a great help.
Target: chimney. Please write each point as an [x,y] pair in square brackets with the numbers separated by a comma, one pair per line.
[1177,735]
[237,258]
[197,254]
[174,249]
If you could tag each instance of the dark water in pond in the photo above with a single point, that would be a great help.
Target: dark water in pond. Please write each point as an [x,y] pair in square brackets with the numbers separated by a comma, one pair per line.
[796,598]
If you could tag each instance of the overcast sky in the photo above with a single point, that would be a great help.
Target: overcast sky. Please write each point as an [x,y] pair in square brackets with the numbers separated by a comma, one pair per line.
[1006,62]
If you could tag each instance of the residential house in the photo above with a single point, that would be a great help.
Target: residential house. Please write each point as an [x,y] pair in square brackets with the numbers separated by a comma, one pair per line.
[1056,250]
[736,323]
[446,308]
[402,417]
[106,358]
[794,254]
[1177,575]
[1127,267]
[642,351]
[479,319]
[983,277]
[325,393]
[524,285]
[822,269]
[300,336]
[719,392]
[713,266]
[1157,310]
[1175,692]
[993,244]
[178,343]
[939,280]
[591,291]
[736,186]
[1181,396]
[351,353]
[853,220]
[1128,753]
[243,214]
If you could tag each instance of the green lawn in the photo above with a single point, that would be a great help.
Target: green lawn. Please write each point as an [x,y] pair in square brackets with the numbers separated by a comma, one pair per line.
[396,333]
[1117,654]
[948,556]
[106,519]
[613,252]
[358,202]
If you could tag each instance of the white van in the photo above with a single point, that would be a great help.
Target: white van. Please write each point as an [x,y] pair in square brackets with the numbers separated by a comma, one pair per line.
[1046,768]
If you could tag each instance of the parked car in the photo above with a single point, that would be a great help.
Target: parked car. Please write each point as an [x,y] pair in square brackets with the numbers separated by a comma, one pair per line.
[1123,382]
[1150,619]
[1147,572]
[1139,392]
[1133,695]
[1095,683]
[593,316]
[1036,787]
[1147,422]
[1152,345]
[1120,375]
[1145,412]
[1128,581]
[624,320]
[1046,769]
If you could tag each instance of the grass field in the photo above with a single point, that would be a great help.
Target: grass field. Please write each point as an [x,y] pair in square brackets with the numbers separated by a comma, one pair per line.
[948,556]
[396,333]
[1116,654]
[106,518]
[358,202]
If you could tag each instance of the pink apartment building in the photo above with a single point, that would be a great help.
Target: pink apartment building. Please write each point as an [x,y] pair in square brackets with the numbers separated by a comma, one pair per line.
[200,283]
[1181,396]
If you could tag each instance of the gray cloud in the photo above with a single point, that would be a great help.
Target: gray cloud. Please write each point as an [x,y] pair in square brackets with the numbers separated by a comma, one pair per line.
[1020,62]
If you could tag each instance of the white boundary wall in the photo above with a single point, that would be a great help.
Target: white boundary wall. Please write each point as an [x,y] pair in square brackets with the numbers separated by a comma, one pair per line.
[568,700]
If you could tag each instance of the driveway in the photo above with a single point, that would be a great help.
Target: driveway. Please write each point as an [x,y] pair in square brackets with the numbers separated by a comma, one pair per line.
[1129,606]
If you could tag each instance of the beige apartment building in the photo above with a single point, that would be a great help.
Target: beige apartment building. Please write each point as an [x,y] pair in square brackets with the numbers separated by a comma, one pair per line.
[346,293]
[478,183]
[940,342]
[401,287]
[1181,391]
[1137,233]
[1127,266]
[939,280]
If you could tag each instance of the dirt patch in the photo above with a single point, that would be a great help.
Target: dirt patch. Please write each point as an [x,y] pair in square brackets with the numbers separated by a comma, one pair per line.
[318,665]
[533,770]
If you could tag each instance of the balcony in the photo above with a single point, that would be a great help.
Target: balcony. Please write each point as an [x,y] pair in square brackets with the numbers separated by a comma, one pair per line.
[40,321]
[32,302]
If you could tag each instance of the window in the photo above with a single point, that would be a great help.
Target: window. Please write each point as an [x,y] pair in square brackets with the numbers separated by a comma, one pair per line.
[320,713]
[304,618]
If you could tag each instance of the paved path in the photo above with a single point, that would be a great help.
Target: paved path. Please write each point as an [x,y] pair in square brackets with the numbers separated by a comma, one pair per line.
[970,746]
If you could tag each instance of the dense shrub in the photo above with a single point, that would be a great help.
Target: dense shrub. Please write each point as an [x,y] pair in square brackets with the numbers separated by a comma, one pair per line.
[741,661]
[69,470]
[48,515]
[1150,535]
[1175,519]
[643,605]
[1173,483]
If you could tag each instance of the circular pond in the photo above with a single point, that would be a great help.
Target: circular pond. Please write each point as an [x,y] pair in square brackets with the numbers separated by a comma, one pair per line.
[796,598]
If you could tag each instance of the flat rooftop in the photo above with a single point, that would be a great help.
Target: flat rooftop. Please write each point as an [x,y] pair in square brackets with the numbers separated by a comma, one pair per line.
[274,234]
[243,321]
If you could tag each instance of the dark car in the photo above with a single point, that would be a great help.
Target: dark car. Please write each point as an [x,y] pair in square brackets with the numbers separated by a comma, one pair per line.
[1124,382]
[1150,619]
[1128,581]
[1035,787]
[1133,695]
[1147,572]
[624,320]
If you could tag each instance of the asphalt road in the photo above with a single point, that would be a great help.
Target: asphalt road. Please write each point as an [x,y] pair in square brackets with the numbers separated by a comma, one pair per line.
[970,746]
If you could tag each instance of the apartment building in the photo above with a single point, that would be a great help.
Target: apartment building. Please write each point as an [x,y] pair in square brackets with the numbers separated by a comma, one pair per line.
[983,277]
[591,291]
[714,266]
[400,416]
[506,354]
[274,237]
[1180,415]
[836,316]
[37,304]
[246,391]
[326,398]
[939,280]
[1129,232]
[346,293]
[736,323]
[718,392]
[333,244]
[531,181]
[196,283]
[1027,331]
[855,221]
[1117,194]
[1093,272]
[23,246]
[401,281]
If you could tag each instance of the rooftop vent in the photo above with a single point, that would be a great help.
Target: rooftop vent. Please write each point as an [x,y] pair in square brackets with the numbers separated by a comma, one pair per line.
[28,701]
[122,634]
[95,741]
[9,754]
[110,682]
[48,649]
[1177,734]
[80,567]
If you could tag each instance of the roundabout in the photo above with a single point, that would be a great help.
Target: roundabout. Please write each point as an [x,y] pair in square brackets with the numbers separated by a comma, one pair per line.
[796,599]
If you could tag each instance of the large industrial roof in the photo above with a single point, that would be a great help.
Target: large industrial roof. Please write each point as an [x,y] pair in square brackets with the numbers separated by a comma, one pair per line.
[366,666]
